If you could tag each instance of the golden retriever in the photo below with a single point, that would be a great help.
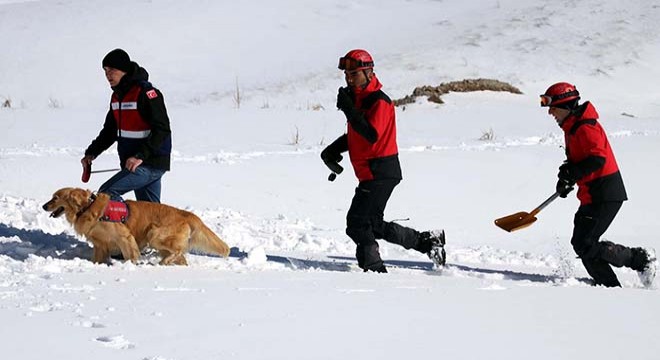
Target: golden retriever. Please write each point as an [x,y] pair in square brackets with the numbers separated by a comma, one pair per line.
[169,230]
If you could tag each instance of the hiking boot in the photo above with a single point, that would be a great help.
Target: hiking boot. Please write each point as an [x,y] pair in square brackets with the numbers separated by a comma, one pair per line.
[437,252]
[369,258]
[645,263]
[377,268]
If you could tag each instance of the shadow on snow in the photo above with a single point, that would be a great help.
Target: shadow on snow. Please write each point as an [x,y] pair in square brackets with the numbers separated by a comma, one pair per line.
[67,247]
[344,263]
[39,243]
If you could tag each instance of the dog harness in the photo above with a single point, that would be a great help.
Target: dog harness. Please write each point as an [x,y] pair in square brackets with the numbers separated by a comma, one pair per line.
[116,211]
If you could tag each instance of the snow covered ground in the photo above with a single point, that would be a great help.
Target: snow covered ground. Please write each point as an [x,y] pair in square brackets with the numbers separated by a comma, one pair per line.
[251,171]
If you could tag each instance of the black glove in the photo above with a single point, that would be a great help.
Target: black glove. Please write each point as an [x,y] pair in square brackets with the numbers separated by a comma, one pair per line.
[345,100]
[564,187]
[334,167]
[331,158]
[568,172]
[330,155]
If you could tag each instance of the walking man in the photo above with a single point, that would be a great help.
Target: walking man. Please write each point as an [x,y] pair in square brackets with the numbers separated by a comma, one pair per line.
[138,122]
[371,144]
[591,164]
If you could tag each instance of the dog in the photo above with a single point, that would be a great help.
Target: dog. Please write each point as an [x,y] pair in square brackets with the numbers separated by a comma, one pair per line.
[171,231]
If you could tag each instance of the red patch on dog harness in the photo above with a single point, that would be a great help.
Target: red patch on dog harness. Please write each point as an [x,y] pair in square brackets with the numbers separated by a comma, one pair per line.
[116,211]
[152,94]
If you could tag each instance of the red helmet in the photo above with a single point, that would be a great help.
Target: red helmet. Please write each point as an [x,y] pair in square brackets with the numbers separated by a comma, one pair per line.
[357,59]
[559,93]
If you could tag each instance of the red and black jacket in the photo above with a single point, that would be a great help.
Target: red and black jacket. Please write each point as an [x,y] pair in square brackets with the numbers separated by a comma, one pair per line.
[590,153]
[137,121]
[371,135]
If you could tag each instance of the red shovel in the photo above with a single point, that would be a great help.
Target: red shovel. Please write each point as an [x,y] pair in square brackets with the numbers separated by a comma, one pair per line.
[87,172]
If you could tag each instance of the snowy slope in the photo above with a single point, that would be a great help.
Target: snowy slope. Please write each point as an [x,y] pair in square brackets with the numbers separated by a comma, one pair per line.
[291,289]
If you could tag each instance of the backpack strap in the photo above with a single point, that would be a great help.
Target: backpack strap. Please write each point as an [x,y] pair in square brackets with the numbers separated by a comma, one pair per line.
[371,99]
[577,125]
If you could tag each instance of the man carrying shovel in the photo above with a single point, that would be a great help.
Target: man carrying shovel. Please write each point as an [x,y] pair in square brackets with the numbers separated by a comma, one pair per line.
[137,120]
[591,164]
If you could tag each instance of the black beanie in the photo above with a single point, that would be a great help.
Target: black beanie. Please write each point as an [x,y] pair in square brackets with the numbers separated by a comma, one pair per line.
[118,59]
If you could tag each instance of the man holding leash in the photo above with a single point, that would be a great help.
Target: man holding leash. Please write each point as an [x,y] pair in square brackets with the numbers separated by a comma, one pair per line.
[138,122]
[371,144]
[591,164]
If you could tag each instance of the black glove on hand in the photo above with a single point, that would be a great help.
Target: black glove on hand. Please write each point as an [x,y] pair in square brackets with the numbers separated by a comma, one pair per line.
[332,159]
[334,167]
[329,155]
[568,172]
[344,100]
[564,187]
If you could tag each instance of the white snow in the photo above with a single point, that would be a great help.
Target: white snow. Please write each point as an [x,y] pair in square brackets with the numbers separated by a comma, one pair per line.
[251,170]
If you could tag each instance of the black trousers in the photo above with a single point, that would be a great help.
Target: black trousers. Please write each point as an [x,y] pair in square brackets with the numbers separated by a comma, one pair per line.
[590,222]
[365,224]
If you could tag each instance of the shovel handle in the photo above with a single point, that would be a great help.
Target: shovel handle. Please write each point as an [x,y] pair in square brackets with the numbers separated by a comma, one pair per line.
[544,204]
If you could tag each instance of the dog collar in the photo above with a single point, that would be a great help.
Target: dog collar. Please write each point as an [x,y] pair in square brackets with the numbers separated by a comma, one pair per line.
[90,201]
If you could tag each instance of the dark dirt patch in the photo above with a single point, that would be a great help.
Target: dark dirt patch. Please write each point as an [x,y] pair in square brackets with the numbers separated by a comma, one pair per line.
[434,92]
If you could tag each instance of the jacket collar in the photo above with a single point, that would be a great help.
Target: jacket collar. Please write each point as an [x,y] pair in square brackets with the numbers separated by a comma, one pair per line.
[582,112]
[135,75]
[372,86]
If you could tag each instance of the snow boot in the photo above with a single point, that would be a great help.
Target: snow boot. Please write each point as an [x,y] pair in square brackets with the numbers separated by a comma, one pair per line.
[437,252]
[645,263]
[378,268]
[369,259]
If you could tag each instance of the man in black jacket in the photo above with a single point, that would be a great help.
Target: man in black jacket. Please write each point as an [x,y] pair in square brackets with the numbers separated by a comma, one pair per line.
[138,122]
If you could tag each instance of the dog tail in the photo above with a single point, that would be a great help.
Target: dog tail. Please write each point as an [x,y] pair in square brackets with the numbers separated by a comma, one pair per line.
[204,239]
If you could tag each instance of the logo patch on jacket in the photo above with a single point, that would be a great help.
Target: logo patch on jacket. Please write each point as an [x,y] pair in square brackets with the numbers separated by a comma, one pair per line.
[116,211]
[152,94]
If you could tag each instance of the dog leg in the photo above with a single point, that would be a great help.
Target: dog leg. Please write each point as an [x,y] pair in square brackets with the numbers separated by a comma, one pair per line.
[172,240]
[101,254]
[88,219]
[180,260]
[174,259]
[128,247]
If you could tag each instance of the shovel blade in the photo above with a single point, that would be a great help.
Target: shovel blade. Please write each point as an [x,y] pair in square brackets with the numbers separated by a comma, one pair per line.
[515,221]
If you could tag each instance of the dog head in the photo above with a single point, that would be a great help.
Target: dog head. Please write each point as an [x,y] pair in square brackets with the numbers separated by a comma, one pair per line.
[67,200]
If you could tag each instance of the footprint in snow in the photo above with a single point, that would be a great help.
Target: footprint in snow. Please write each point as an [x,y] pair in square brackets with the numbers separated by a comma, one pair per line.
[90,324]
[115,342]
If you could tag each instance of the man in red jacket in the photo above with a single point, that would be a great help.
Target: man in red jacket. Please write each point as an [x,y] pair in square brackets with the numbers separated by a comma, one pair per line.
[371,144]
[591,164]
[137,120]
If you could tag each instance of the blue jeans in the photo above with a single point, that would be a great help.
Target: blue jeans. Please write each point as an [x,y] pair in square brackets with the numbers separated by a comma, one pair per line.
[145,181]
